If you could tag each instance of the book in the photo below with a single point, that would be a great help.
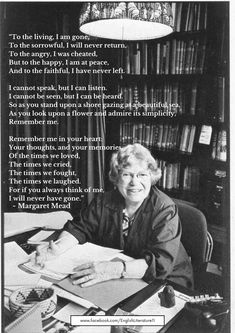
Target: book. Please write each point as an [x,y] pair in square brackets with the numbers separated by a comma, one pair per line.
[185,184]
[144,59]
[193,98]
[178,16]
[184,138]
[158,139]
[202,52]
[191,139]
[169,176]
[164,136]
[221,149]
[221,98]
[214,144]
[158,57]
[168,51]
[177,59]
[173,56]
[205,135]
[186,27]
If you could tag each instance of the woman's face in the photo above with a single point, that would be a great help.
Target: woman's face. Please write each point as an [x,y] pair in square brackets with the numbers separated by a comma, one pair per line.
[134,181]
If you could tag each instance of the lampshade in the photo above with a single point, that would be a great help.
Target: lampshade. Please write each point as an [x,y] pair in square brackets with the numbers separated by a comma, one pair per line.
[126,20]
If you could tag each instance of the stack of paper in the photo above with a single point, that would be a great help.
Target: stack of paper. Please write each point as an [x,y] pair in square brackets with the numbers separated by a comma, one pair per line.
[16,223]
[13,275]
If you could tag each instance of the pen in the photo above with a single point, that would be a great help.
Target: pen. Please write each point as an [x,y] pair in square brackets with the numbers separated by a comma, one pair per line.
[46,242]
[184,297]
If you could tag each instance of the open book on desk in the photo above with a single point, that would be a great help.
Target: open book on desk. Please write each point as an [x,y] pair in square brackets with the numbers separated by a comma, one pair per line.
[63,265]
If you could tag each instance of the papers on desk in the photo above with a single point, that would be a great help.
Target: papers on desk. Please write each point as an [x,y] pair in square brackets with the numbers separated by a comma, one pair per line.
[14,253]
[17,223]
[13,275]
[69,310]
[72,298]
[105,294]
[152,307]
[64,264]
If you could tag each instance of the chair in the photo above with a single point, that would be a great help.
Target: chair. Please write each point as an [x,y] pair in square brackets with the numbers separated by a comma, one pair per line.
[198,243]
[194,233]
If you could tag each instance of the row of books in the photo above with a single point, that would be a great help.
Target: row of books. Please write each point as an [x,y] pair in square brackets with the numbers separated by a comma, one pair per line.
[187,138]
[166,57]
[191,179]
[170,175]
[190,16]
[161,136]
[219,145]
[180,97]
[171,179]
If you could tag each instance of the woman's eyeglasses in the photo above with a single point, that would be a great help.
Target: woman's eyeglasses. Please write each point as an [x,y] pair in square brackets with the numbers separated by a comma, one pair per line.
[128,176]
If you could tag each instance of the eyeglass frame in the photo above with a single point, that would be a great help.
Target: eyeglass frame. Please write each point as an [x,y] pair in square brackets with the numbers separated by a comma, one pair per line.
[131,175]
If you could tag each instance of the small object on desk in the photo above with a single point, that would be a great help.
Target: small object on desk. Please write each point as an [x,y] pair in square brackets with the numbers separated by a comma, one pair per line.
[202,298]
[23,299]
[72,298]
[167,297]
[71,309]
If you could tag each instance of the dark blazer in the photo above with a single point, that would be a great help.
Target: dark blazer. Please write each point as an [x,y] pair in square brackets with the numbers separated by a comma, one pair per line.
[154,235]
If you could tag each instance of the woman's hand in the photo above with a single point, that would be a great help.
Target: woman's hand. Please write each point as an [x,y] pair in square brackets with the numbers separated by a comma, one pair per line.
[91,273]
[45,253]
[53,249]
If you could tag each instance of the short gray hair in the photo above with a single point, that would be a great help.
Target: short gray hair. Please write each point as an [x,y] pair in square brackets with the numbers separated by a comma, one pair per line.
[120,160]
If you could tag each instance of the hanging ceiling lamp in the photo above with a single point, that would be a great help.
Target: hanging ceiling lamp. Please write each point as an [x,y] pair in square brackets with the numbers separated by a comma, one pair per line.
[126,20]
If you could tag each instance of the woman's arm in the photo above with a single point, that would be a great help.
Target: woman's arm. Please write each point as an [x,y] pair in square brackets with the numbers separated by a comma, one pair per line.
[80,230]
[91,273]
[163,244]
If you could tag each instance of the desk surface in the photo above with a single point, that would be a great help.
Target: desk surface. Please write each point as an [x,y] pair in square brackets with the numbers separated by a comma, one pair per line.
[179,324]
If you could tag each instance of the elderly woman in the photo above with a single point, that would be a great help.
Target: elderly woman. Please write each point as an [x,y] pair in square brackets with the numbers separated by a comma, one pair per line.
[135,217]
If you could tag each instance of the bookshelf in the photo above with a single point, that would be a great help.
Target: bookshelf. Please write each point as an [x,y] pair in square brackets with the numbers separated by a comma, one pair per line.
[176,89]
